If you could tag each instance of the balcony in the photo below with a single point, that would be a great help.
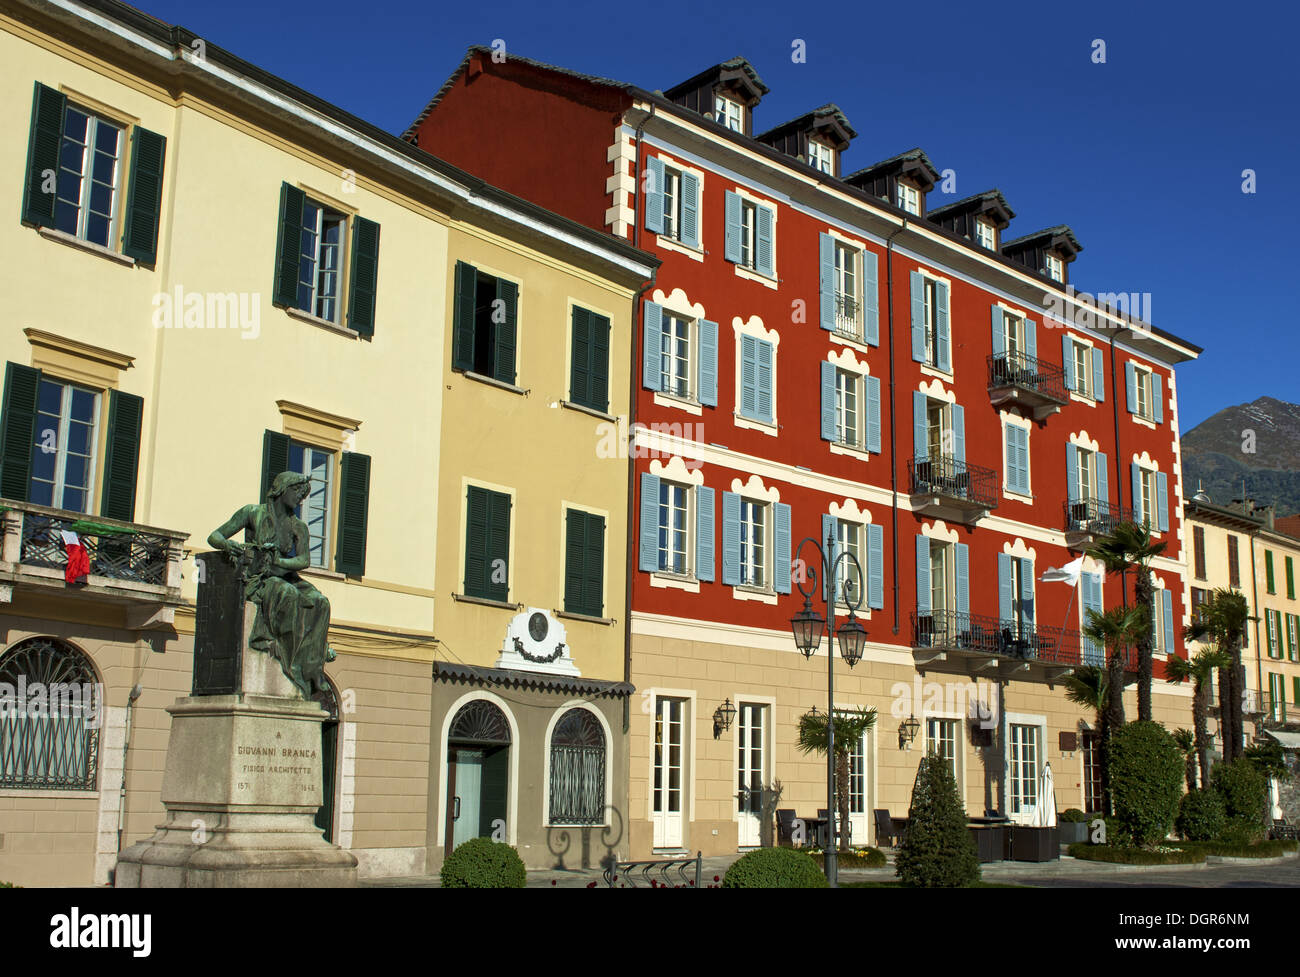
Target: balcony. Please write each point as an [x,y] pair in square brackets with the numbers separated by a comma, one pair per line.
[986,647]
[1025,381]
[137,568]
[848,324]
[952,490]
[1090,520]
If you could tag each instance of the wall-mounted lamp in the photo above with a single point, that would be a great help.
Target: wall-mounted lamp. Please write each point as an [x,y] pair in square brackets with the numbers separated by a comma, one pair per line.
[722,717]
[907,730]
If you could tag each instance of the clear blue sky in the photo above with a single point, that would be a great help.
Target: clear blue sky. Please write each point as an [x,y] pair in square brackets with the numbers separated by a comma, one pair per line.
[1142,156]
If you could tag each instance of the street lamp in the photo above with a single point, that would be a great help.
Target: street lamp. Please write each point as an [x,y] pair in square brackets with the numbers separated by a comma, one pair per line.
[807,626]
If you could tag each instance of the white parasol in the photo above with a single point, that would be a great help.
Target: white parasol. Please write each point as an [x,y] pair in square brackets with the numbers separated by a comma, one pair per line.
[1045,809]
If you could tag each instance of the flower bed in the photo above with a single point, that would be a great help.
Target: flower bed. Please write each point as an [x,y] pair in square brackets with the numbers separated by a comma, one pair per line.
[1159,855]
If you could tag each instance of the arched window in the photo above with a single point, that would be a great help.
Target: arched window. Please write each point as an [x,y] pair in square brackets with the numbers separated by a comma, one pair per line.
[50,714]
[578,769]
[481,722]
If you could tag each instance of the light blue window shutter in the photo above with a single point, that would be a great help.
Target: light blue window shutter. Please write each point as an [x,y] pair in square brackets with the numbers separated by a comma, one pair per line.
[875,566]
[731,242]
[748,375]
[923,605]
[1130,378]
[766,352]
[690,210]
[1167,600]
[651,367]
[918,317]
[1067,357]
[1098,378]
[1137,491]
[941,319]
[764,219]
[1071,473]
[920,443]
[1009,448]
[708,363]
[1103,481]
[828,400]
[1158,397]
[1005,594]
[999,335]
[959,436]
[829,538]
[1162,502]
[649,521]
[730,538]
[870,298]
[963,586]
[872,387]
[1027,592]
[1022,438]
[781,550]
[704,534]
[654,196]
[1031,339]
[826,280]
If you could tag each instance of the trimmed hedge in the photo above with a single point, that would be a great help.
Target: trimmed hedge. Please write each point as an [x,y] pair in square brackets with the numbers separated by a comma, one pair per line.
[1135,856]
[1242,831]
[1243,788]
[482,863]
[1202,815]
[1072,815]
[938,850]
[775,868]
[1262,849]
[1146,779]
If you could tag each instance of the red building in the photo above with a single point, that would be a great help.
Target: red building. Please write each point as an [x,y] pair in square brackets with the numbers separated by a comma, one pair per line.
[824,353]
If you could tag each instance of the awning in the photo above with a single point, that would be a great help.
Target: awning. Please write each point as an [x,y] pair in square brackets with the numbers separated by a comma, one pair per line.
[1289,741]
[514,678]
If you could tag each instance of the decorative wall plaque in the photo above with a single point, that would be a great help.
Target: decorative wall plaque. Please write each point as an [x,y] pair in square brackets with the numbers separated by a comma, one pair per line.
[536,641]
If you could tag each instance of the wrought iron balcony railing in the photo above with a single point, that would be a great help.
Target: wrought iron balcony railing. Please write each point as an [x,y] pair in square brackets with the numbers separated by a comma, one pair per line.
[1097,517]
[953,479]
[986,635]
[847,323]
[1027,373]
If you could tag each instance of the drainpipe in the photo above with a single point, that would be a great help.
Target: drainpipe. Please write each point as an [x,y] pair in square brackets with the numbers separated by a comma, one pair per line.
[135,693]
[1254,603]
[893,405]
[1119,465]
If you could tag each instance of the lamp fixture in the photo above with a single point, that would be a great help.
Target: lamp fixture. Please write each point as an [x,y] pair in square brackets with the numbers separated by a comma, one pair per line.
[722,717]
[907,731]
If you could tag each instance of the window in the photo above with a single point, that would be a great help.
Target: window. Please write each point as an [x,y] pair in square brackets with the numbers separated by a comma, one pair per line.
[1293,637]
[941,738]
[931,324]
[986,235]
[1198,552]
[1024,768]
[908,198]
[317,465]
[319,260]
[1268,572]
[1055,268]
[931,343]
[1276,697]
[487,544]
[750,230]
[1199,596]
[56,748]
[1145,393]
[674,520]
[486,316]
[672,208]
[1082,369]
[63,455]
[753,543]
[577,789]
[1022,590]
[589,360]
[1146,499]
[1271,625]
[848,408]
[1017,458]
[729,113]
[936,424]
[89,181]
[941,589]
[584,563]
[747,226]
[1092,797]
[821,156]
[1013,337]
[1234,566]
[672,203]
[1162,621]
[847,303]
[675,357]
[1084,459]
[848,539]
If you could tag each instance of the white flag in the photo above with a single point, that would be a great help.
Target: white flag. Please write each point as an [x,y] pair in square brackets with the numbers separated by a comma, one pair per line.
[1066,574]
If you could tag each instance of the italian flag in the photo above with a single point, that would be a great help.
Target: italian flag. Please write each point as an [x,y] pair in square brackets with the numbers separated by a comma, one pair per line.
[78,567]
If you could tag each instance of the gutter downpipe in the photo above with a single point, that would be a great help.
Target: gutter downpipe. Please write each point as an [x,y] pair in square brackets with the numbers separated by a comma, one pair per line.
[893,412]
[1119,465]
[135,693]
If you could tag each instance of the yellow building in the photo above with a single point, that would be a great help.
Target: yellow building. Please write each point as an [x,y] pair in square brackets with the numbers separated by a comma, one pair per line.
[216,277]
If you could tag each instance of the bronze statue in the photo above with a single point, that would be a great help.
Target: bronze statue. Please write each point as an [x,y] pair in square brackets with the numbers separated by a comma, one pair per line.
[293,617]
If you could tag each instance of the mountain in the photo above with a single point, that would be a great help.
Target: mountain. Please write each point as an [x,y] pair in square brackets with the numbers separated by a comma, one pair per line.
[1258,442]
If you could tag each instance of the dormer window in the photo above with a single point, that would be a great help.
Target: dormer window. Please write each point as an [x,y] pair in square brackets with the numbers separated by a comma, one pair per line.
[986,234]
[729,113]
[1055,267]
[821,156]
[908,198]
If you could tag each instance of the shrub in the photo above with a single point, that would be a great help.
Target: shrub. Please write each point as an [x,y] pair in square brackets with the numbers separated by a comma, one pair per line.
[1243,788]
[867,857]
[1242,831]
[1268,758]
[1135,856]
[937,850]
[1073,815]
[1146,779]
[775,868]
[1201,816]
[482,863]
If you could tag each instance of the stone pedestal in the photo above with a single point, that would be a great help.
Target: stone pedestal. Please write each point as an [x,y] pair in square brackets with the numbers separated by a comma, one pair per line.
[241,789]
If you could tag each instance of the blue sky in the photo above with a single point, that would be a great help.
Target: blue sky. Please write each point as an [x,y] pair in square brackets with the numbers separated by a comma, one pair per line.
[1142,156]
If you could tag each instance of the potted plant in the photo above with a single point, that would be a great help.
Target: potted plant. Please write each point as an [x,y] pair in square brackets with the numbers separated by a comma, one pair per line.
[1074,826]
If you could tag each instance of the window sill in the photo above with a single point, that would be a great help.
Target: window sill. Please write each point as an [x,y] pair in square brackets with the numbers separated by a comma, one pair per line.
[1144,421]
[753,276]
[72,241]
[760,594]
[767,427]
[673,581]
[316,320]
[486,602]
[672,244]
[582,408]
[856,341]
[1018,496]
[934,371]
[492,382]
[840,448]
[323,573]
[574,616]
[668,400]
[1083,398]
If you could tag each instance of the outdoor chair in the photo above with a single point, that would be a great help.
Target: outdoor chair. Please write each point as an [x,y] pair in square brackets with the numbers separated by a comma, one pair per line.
[1284,831]
[785,819]
[885,834]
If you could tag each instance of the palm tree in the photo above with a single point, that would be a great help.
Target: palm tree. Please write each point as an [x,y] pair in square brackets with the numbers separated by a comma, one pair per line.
[1187,746]
[1129,547]
[1199,668]
[1089,686]
[849,727]
[1221,622]
[1117,628]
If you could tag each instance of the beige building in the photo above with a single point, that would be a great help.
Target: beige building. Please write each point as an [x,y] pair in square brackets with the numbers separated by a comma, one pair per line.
[217,277]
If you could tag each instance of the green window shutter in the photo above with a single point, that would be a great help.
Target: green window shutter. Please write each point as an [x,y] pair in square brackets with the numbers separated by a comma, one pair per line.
[598,371]
[364,277]
[580,357]
[584,563]
[593,588]
[48,109]
[1268,572]
[1290,579]
[121,464]
[288,246]
[504,318]
[498,548]
[462,351]
[18,430]
[144,196]
[275,459]
[476,532]
[354,512]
